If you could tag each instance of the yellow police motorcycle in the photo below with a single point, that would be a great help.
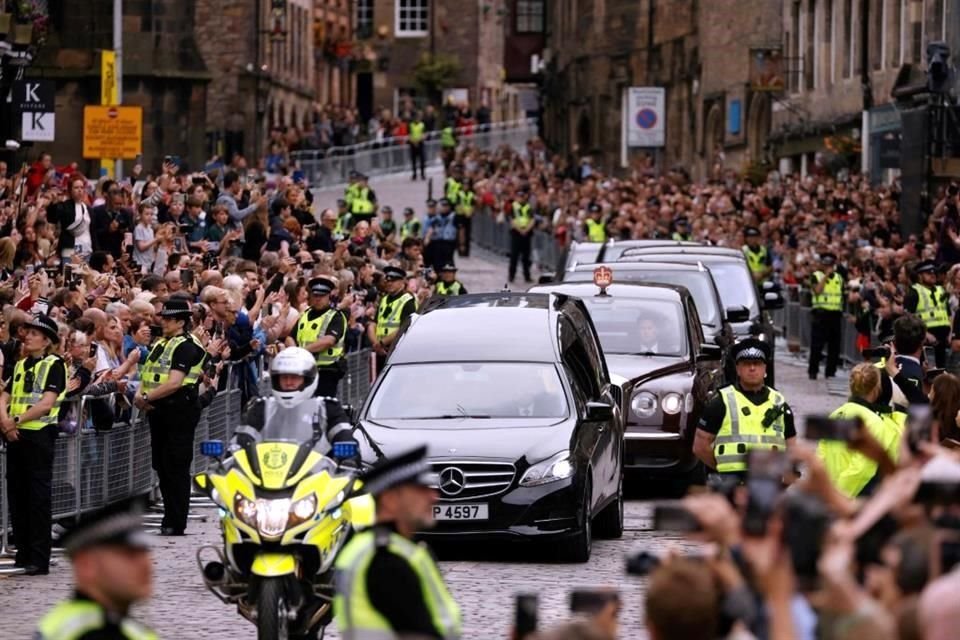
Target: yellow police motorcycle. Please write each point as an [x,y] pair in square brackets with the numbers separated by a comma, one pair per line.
[285,512]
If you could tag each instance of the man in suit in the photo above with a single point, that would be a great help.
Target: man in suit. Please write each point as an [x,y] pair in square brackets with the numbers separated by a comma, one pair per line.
[110,221]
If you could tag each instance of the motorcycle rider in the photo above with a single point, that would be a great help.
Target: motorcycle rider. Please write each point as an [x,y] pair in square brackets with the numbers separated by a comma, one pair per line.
[292,409]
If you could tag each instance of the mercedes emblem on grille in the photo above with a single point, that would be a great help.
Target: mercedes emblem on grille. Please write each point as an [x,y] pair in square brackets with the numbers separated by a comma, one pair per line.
[452,481]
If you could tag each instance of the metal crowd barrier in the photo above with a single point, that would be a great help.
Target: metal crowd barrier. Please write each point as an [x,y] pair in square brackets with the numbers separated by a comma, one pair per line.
[355,384]
[324,168]
[493,234]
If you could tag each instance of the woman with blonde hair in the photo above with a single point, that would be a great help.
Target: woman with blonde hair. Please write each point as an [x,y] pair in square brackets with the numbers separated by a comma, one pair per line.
[8,248]
[853,473]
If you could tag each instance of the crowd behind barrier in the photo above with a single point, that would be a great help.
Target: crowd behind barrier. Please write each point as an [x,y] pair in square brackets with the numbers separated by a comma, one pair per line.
[333,166]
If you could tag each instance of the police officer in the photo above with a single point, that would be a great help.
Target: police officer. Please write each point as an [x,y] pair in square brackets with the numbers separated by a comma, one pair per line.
[758,258]
[744,416]
[396,305]
[681,230]
[418,131]
[429,222]
[411,225]
[454,184]
[321,330]
[168,393]
[448,145]
[29,408]
[344,221]
[826,321]
[596,229]
[350,191]
[448,285]
[112,571]
[442,236]
[521,231]
[465,208]
[386,585]
[930,302]
[363,207]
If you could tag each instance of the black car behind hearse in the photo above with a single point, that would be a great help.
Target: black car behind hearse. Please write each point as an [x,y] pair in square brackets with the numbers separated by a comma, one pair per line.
[512,395]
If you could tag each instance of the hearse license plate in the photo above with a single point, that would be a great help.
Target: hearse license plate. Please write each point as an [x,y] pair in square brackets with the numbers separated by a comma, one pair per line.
[460,512]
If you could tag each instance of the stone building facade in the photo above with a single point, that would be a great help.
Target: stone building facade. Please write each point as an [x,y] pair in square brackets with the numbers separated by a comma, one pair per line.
[394,35]
[332,51]
[698,51]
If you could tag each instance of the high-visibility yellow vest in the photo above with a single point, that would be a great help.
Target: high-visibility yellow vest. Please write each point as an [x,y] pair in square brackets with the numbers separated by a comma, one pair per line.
[447,140]
[444,289]
[451,191]
[24,396]
[681,237]
[521,215]
[357,618]
[156,369]
[742,429]
[362,204]
[350,193]
[849,470]
[312,330]
[831,298]
[596,230]
[756,260]
[417,131]
[410,229]
[388,314]
[465,205]
[932,306]
[74,619]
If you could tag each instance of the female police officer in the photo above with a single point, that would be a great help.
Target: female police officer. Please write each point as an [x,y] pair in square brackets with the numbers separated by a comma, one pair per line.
[28,419]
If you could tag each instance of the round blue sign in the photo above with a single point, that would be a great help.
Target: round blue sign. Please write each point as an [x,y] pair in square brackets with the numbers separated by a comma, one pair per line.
[646,118]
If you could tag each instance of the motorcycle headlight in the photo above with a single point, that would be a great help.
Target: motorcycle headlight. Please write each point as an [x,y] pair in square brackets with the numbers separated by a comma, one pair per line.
[245,509]
[303,509]
[643,404]
[272,516]
[554,468]
[671,403]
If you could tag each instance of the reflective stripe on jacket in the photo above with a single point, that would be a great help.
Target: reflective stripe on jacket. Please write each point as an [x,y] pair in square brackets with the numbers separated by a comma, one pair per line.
[23,395]
[309,331]
[388,314]
[742,429]
[156,369]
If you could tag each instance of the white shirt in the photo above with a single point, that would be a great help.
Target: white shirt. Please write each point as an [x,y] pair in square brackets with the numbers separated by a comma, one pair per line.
[80,229]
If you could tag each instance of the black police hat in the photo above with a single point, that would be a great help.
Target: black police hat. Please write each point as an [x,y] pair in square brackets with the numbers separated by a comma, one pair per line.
[341,202]
[408,211]
[522,191]
[751,232]
[681,221]
[386,209]
[112,526]
[431,202]
[925,266]
[394,273]
[45,325]
[176,308]
[448,267]
[750,349]
[594,208]
[828,259]
[321,286]
[444,202]
[354,174]
[410,467]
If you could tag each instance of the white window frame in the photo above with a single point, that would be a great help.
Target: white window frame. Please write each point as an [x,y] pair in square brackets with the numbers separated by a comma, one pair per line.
[404,6]
[527,16]
[363,14]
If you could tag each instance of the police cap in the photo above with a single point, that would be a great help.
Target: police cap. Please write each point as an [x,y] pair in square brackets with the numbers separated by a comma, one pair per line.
[828,259]
[750,349]
[448,267]
[341,202]
[176,308]
[444,202]
[593,207]
[925,266]
[45,325]
[751,232]
[681,221]
[394,273]
[354,174]
[114,526]
[408,211]
[407,468]
[321,286]
[431,202]
[386,209]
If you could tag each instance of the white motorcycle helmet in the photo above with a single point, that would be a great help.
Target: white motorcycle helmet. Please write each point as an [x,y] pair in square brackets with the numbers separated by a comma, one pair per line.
[298,362]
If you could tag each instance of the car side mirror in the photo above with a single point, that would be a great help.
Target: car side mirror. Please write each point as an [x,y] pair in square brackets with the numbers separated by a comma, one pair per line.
[738,314]
[599,411]
[772,300]
[710,353]
[546,278]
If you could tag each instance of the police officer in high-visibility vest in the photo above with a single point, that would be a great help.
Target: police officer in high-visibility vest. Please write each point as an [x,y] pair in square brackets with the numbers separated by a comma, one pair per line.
[851,472]
[521,234]
[931,303]
[453,185]
[168,393]
[387,586]
[411,227]
[364,204]
[744,416]
[448,145]
[465,208]
[415,139]
[321,330]
[826,320]
[448,285]
[113,570]
[758,258]
[594,225]
[344,222]
[350,191]
[396,305]
[681,231]
[29,408]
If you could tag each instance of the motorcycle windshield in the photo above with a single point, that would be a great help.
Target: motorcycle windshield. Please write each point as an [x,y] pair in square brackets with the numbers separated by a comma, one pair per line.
[292,425]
